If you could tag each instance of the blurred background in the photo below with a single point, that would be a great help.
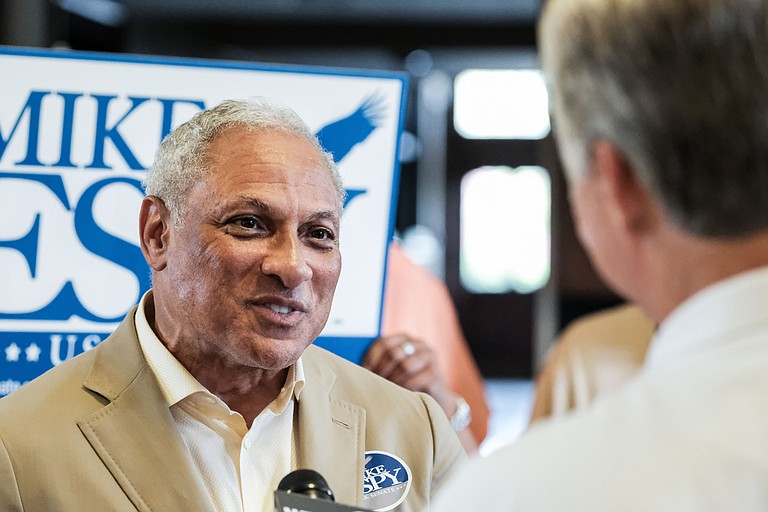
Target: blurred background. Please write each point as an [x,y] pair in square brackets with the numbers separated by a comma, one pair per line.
[482,202]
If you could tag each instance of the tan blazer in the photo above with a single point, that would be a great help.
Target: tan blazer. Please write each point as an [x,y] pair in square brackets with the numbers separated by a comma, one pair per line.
[94,434]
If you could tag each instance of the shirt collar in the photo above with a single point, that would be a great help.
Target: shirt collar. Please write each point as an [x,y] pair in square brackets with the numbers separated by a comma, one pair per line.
[176,383]
[294,383]
[720,311]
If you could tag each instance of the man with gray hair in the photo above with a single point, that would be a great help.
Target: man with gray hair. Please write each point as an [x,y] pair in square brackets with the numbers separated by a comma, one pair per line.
[661,116]
[210,392]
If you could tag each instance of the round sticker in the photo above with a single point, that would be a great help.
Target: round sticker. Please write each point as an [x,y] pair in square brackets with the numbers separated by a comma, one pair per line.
[386,481]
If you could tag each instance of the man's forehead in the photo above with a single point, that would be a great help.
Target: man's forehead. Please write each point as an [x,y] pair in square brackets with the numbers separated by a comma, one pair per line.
[267,163]
[268,147]
[266,141]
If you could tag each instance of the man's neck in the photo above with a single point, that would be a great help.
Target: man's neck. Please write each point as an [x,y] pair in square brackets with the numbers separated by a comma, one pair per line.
[690,264]
[245,390]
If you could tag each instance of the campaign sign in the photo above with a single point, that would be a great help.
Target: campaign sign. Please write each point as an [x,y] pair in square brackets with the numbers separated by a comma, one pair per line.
[77,133]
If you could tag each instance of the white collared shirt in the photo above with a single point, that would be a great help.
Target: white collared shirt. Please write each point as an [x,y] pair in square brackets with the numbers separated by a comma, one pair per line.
[688,434]
[239,468]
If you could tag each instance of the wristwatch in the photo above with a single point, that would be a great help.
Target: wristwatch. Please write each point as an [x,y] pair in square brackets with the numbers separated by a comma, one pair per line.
[462,416]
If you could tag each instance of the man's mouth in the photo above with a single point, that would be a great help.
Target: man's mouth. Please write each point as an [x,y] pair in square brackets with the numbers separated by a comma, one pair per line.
[283,310]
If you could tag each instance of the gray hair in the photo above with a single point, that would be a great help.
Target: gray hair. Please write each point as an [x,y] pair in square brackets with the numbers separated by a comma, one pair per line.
[680,87]
[180,161]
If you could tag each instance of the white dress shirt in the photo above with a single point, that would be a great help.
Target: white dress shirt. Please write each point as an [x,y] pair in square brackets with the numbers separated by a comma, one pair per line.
[239,468]
[689,434]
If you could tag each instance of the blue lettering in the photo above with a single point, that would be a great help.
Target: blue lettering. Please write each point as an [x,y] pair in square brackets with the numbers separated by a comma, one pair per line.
[53,182]
[106,245]
[32,110]
[66,303]
[103,133]
[68,121]
[33,106]
[168,104]
[27,244]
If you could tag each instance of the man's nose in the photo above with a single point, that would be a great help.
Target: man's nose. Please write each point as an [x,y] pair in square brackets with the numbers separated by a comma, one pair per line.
[285,260]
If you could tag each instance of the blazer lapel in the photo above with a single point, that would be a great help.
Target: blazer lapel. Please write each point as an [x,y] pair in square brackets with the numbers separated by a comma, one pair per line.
[331,433]
[135,435]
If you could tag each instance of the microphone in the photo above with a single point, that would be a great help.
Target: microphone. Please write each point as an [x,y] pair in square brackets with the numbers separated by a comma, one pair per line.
[307,482]
[306,490]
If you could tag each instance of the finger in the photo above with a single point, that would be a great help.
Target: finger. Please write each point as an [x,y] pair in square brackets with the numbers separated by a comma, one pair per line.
[391,361]
[384,354]
[373,355]
[378,349]
[409,357]
[418,363]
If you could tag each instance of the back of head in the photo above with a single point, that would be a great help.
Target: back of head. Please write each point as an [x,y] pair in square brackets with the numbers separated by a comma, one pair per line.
[680,87]
[181,160]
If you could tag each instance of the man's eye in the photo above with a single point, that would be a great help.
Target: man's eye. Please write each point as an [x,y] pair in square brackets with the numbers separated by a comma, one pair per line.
[245,226]
[321,234]
[246,222]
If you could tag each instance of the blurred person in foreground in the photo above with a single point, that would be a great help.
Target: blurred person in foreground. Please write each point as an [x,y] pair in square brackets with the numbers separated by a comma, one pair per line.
[661,115]
[210,392]
[422,347]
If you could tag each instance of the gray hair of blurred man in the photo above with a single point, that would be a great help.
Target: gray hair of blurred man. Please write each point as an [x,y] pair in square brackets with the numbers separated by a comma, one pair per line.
[181,159]
[680,87]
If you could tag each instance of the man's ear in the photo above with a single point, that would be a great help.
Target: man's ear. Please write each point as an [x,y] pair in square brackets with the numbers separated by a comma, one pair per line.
[154,231]
[631,204]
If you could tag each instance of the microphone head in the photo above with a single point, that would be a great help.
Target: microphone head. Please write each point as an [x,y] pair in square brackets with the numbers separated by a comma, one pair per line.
[308,482]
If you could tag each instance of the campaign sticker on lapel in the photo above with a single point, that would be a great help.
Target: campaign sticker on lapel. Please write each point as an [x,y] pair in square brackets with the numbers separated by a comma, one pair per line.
[386,482]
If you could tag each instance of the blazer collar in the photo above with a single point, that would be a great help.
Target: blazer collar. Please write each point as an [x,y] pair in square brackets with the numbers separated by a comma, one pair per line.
[331,434]
[134,434]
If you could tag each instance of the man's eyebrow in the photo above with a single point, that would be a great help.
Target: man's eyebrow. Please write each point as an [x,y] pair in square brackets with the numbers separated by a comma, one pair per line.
[325,215]
[258,204]
[242,201]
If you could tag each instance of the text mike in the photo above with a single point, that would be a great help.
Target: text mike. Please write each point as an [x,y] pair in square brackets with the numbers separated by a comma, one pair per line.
[306,490]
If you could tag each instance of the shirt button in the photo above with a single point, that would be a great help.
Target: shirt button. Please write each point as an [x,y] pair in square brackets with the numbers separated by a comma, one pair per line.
[247,443]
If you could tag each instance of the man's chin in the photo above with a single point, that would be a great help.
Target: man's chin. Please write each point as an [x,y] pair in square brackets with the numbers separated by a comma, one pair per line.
[277,354]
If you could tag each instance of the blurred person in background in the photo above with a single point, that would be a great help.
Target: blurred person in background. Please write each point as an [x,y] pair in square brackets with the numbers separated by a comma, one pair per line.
[422,347]
[595,354]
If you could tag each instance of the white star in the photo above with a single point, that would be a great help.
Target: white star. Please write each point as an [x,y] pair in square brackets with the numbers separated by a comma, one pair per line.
[32,352]
[12,352]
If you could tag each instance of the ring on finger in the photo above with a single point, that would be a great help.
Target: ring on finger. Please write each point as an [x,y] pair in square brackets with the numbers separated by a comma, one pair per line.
[408,348]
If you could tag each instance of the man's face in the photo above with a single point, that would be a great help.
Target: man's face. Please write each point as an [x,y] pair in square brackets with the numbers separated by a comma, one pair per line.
[251,274]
